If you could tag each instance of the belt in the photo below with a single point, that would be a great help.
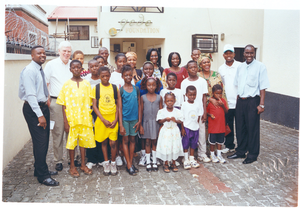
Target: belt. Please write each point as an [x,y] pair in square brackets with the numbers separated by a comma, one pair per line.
[41,104]
[247,97]
[53,97]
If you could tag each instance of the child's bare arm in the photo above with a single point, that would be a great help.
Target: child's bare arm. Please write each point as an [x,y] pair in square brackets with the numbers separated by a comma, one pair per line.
[204,117]
[138,124]
[113,124]
[141,108]
[183,133]
[223,106]
[95,108]
[211,115]
[66,124]
[161,103]
[122,129]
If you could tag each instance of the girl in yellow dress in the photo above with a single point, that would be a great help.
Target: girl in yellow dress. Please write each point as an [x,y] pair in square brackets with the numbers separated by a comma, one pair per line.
[76,99]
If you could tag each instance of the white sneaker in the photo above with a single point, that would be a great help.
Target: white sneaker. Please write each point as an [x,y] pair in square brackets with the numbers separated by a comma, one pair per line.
[204,159]
[106,166]
[194,164]
[90,165]
[186,165]
[177,163]
[101,164]
[157,162]
[214,159]
[113,169]
[221,159]
[225,150]
[142,160]
[119,161]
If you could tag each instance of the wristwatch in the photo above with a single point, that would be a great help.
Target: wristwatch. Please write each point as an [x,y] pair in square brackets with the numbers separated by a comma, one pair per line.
[262,106]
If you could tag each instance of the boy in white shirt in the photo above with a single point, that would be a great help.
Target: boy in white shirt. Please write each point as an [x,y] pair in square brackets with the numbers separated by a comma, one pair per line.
[201,87]
[190,129]
[227,72]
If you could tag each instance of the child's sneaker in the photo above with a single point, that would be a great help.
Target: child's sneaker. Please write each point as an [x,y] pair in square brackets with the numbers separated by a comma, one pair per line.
[106,166]
[221,159]
[90,165]
[113,168]
[204,159]
[214,159]
[186,165]
[194,164]
[142,160]
[119,161]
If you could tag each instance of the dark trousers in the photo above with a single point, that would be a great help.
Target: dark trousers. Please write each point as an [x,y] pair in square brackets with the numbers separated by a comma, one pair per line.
[247,127]
[40,140]
[95,155]
[230,137]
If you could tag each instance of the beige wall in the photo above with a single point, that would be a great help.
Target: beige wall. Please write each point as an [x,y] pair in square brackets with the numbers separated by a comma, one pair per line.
[15,131]
[281,51]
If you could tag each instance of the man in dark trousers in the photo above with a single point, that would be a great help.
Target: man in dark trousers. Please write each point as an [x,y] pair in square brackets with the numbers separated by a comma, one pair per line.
[33,90]
[251,79]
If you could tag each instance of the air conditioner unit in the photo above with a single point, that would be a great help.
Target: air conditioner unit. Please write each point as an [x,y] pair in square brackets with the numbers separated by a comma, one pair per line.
[129,46]
[207,43]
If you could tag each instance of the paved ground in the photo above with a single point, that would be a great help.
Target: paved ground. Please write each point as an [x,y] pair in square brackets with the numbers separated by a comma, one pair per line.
[271,181]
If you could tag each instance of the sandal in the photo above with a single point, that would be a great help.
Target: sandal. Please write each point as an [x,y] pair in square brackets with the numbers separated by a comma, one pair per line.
[86,170]
[74,173]
[174,168]
[166,168]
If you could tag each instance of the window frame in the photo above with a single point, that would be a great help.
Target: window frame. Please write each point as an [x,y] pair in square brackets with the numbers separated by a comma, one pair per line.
[88,30]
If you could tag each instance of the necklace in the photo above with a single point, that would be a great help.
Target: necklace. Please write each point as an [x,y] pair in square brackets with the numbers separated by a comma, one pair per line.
[208,79]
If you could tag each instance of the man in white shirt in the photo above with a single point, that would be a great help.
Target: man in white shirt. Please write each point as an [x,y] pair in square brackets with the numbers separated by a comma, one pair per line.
[227,72]
[57,72]
[252,80]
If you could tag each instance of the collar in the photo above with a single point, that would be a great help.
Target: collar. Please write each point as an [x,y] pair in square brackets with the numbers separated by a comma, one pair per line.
[60,61]
[251,62]
[35,65]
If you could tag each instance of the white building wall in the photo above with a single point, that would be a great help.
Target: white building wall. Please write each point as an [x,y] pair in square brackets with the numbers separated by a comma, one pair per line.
[281,50]
[177,25]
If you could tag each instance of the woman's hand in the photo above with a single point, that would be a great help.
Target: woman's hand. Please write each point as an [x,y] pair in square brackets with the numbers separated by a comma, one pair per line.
[122,131]
[214,102]
[141,130]
[137,126]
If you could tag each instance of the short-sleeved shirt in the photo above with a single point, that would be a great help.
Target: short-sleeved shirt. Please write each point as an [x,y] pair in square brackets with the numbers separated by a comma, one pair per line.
[251,78]
[130,105]
[116,79]
[201,87]
[181,75]
[77,101]
[217,125]
[176,92]
[191,112]
[227,74]
[107,103]
[56,74]
[92,81]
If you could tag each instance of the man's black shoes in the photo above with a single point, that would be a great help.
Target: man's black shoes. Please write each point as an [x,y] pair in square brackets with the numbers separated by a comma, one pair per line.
[50,182]
[249,160]
[236,156]
[59,167]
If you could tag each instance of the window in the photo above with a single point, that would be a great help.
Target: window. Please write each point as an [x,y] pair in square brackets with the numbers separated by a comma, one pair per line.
[206,43]
[79,32]
[44,42]
[32,38]
[94,42]
[137,9]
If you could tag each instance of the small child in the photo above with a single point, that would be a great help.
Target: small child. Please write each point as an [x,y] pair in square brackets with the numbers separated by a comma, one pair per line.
[216,124]
[94,76]
[76,99]
[106,124]
[150,104]
[129,119]
[169,145]
[78,55]
[171,82]
[190,129]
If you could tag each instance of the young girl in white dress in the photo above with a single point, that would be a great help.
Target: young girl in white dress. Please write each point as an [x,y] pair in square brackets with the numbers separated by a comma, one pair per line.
[169,145]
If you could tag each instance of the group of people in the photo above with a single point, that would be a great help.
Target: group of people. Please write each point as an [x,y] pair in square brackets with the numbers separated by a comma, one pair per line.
[106,112]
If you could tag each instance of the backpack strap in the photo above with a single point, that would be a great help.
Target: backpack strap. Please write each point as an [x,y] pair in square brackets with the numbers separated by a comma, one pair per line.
[97,99]
[115,92]
[121,91]
[137,91]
